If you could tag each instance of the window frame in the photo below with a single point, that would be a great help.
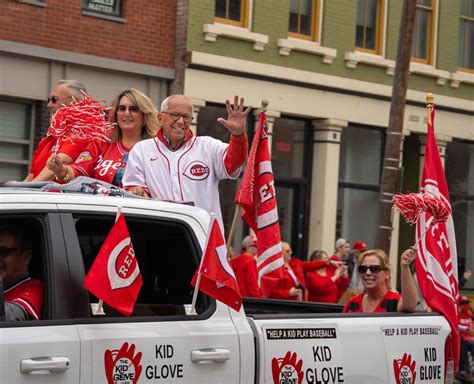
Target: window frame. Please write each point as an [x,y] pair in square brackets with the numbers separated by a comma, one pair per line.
[379,32]
[244,15]
[314,24]
[119,14]
[471,20]
[430,33]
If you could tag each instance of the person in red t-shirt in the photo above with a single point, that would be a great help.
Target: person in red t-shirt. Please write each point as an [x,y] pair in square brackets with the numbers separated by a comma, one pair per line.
[245,268]
[136,120]
[292,285]
[341,253]
[374,270]
[322,284]
[63,94]
[23,295]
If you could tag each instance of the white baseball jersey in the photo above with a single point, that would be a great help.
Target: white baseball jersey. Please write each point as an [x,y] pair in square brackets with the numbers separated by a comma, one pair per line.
[189,174]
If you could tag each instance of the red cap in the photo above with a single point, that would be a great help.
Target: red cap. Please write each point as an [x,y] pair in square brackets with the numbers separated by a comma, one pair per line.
[359,246]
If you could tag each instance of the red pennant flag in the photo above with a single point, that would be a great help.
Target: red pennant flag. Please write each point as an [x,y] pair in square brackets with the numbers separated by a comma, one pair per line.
[256,195]
[217,276]
[436,264]
[115,275]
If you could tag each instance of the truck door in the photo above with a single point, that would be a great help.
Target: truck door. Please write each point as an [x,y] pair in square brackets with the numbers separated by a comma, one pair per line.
[159,343]
[45,350]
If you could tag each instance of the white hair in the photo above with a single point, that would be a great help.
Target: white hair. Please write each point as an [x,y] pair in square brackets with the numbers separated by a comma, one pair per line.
[165,102]
[76,87]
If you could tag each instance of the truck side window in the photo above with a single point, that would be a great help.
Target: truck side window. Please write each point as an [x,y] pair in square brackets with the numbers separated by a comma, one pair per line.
[167,256]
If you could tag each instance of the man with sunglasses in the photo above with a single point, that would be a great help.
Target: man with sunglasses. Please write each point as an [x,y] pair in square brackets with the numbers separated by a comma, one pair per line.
[63,94]
[180,167]
[23,295]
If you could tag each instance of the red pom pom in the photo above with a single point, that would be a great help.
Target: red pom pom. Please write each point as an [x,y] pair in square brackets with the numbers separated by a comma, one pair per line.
[412,205]
[83,119]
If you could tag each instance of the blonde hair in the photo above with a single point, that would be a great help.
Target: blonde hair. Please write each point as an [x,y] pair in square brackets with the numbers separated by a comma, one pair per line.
[383,259]
[143,102]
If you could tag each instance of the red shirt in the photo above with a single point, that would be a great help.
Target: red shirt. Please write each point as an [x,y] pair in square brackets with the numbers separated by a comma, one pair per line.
[245,268]
[321,288]
[388,303]
[28,293]
[46,148]
[283,286]
[103,161]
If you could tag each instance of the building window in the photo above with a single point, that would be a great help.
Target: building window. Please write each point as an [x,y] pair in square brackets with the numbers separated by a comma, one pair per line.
[466,36]
[369,26]
[304,15]
[459,171]
[359,183]
[233,12]
[107,7]
[15,139]
[423,34]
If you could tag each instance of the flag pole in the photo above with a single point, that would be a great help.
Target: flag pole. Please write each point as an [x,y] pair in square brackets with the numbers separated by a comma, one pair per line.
[98,309]
[192,310]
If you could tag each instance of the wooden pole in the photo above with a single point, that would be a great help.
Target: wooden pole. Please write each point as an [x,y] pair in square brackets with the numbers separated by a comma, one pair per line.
[390,182]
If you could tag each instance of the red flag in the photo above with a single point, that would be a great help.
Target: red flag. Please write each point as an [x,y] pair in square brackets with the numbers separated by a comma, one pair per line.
[217,276]
[115,275]
[256,195]
[436,264]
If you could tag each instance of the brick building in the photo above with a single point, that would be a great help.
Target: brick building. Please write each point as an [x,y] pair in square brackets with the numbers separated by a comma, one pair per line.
[108,45]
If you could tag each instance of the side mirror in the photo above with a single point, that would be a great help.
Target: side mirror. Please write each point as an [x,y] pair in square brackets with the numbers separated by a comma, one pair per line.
[2,301]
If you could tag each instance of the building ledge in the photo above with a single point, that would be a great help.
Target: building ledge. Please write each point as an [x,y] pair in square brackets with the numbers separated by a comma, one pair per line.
[213,31]
[429,70]
[287,45]
[457,78]
[354,58]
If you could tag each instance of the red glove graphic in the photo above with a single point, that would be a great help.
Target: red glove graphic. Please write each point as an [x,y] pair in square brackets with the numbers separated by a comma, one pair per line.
[122,364]
[404,368]
[287,367]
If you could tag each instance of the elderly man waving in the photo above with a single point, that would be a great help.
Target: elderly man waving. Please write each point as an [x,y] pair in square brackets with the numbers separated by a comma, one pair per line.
[180,167]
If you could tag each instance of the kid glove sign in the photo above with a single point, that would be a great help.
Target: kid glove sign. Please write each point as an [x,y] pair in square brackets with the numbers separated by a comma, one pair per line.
[303,355]
[414,362]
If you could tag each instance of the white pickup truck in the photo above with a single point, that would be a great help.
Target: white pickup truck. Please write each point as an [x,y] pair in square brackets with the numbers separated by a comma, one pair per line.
[267,341]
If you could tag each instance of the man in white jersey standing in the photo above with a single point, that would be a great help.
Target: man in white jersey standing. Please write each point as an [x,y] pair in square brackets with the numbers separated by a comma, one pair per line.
[180,167]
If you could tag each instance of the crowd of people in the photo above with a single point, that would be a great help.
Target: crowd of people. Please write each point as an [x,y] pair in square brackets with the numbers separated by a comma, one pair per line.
[358,277]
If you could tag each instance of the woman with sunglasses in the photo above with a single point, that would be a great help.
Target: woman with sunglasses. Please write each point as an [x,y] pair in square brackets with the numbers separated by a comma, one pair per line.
[136,119]
[375,273]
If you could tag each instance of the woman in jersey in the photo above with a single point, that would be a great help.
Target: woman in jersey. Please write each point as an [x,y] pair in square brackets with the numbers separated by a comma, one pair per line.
[374,270]
[135,118]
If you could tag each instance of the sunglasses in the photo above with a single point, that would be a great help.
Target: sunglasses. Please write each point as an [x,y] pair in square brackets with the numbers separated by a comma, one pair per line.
[373,268]
[133,109]
[176,116]
[54,99]
[5,251]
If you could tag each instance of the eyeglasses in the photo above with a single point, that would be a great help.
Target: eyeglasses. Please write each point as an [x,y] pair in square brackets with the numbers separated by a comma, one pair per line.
[133,109]
[55,99]
[5,251]
[176,116]
[373,268]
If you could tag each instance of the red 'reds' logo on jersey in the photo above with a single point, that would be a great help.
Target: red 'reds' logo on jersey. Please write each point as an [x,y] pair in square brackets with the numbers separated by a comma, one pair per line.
[122,366]
[287,370]
[197,170]
[404,370]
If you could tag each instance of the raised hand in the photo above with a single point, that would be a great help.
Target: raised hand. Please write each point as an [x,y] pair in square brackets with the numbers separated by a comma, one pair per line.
[408,256]
[236,121]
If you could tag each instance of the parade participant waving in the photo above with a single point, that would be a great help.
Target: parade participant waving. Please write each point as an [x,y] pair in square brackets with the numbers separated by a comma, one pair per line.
[135,118]
[375,273]
[180,167]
